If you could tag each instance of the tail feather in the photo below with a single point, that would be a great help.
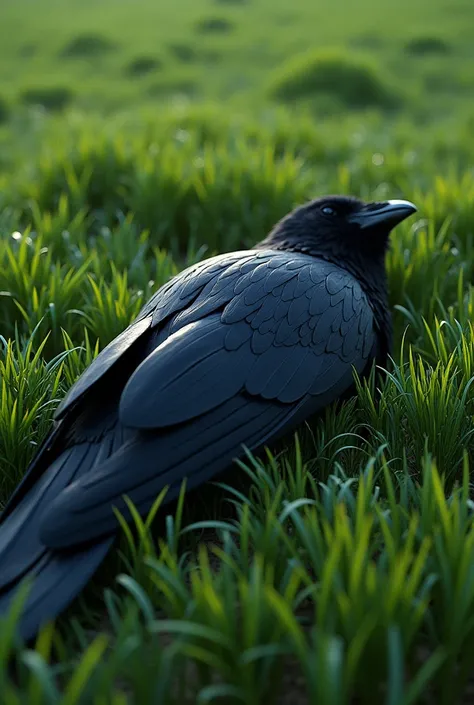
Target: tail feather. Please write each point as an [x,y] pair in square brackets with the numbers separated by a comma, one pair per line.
[56,576]
[20,545]
[57,580]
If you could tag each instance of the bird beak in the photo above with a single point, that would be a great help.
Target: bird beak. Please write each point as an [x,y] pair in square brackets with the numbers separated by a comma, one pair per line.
[388,213]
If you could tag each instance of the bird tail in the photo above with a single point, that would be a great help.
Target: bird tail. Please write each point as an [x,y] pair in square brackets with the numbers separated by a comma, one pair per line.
[56,576]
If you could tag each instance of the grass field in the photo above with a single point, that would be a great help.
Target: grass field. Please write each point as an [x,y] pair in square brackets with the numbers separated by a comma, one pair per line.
[139,137]
[106,54]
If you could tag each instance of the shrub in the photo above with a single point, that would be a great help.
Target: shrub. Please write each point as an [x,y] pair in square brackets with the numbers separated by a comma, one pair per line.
[86,45]
[421,46]
[50,97]
[142,65]
[355,82]
[183,52]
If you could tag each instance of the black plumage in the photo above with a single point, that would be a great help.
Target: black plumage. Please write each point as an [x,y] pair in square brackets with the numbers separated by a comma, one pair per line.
[236,350]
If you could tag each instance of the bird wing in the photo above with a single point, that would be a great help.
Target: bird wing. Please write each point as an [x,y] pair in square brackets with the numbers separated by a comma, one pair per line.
[264,341]
[285,328]
[173,296]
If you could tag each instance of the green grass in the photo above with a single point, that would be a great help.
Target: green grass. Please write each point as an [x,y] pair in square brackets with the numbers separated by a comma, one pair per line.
[353,552]
[352,82]
[336,569]
[210,50]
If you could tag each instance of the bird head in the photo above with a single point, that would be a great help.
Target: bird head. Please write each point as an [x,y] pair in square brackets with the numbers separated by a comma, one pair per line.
[341,227]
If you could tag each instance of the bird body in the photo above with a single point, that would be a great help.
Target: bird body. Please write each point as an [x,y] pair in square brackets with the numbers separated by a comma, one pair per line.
[234,351]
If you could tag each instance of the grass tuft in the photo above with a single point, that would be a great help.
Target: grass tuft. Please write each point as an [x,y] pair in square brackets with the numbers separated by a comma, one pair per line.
[354,82]
[186,53]
[425,46]
[49,97]
[143,65]
[87,46]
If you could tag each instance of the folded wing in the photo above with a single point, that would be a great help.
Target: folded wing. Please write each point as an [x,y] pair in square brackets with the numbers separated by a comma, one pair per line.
[264,342]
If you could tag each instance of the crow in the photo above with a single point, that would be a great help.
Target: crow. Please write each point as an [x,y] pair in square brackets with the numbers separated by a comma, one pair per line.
[233,352]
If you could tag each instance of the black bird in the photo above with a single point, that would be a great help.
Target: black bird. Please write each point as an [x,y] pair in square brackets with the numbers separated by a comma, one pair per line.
[236,350]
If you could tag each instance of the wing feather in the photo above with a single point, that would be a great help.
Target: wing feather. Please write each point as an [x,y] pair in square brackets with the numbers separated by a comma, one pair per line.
[260,344]
[271,353]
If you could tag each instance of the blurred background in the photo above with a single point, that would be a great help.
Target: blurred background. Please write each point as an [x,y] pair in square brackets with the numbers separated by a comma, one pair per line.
[406,59]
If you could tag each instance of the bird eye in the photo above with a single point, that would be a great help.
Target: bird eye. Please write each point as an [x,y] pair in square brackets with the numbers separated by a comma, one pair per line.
[327,210]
